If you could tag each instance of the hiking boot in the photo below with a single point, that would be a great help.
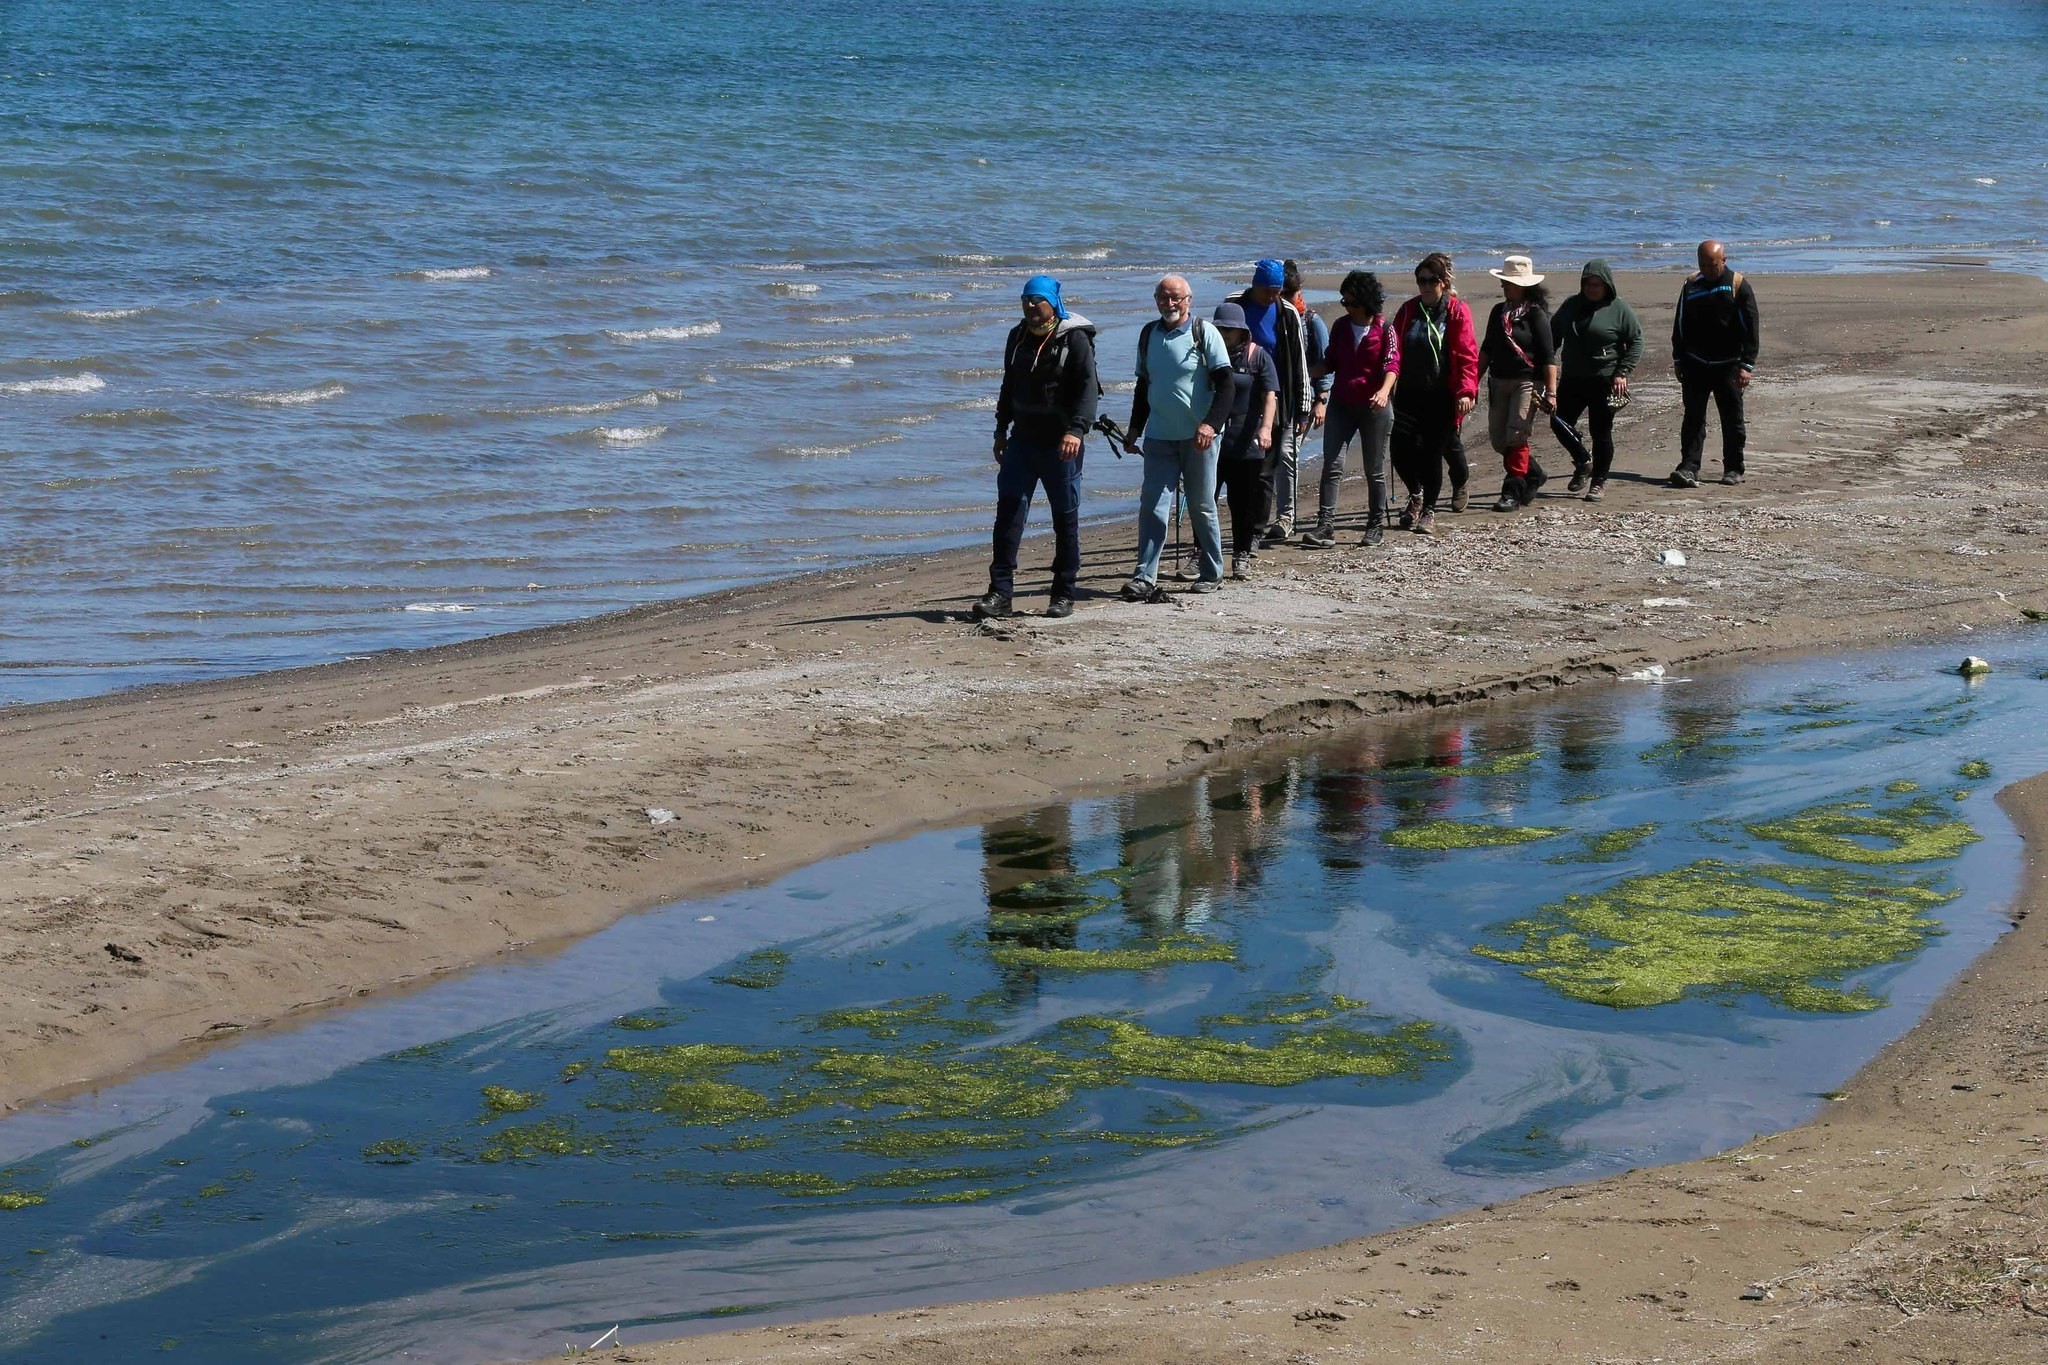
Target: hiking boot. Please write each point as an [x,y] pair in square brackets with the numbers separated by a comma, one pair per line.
[1411,511]
[1426,523]
[1732,477]
[1579,480]
[1508,503]
[1682,477]
[1207,585]
[1187,575]
[1375,532]
[1535,479]
[990,606]
[1278,534]
[1060,608]
[1321,538]
[1597,491]
[1240,566]
[1138,590]
[1459,499]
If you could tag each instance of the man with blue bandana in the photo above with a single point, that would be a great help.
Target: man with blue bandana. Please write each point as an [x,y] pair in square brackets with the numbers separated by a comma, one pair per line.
[1050,392]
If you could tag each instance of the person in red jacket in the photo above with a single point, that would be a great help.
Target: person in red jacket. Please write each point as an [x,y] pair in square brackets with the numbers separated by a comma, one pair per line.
[1439,386]
[1365,359]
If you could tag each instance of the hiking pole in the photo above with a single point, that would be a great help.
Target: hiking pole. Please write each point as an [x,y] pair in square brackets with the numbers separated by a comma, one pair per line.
[1108,427]
[1176,526]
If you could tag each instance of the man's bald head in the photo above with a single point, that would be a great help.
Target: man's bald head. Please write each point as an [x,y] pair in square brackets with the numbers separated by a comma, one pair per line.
[1174,299]
[1712,257]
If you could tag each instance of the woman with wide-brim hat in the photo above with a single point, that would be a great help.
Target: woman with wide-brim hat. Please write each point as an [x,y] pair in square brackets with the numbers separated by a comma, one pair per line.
[1519,366]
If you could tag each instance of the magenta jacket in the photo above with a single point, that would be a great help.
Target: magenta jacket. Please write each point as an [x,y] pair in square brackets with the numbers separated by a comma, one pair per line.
[1361,365]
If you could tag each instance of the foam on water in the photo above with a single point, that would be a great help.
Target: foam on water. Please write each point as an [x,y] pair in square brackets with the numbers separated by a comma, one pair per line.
[460,272]
[292,398]
[103,314]
[626,436]
[807,362]
[69,383]
[686,332]
[792,288]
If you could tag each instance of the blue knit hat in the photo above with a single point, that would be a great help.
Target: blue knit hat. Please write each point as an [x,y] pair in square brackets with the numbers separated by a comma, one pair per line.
[1047,288]
[1269,274]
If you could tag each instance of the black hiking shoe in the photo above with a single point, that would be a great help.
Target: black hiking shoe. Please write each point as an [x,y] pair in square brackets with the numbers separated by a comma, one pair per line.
[1060,608]
[1138,590]
[991,606]
[1580,478]
[1732,477]
[1375,532]
[1682,477]
[1536,479]
[1322,537]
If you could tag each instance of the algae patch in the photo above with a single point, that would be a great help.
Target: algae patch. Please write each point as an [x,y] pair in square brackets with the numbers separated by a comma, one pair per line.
[1451,834]
[1976,770]
[757,971]
[500,1100]
[1144,957]
[1716,929]
[1609,846]
[11,1200]
[1857,832]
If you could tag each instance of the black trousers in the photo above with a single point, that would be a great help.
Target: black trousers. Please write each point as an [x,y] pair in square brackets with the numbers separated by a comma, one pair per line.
[1589,396]
[1244,489]
[1699,383]
[1425,441]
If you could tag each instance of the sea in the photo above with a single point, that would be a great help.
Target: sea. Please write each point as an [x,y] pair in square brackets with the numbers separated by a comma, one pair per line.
[335,328]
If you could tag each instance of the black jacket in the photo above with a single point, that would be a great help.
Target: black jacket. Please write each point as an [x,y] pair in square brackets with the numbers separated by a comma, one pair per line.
[1050,390]
[1716,323]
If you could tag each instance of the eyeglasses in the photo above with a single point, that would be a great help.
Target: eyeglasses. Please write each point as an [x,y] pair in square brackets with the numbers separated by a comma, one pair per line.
[1354,303]
[1427,280]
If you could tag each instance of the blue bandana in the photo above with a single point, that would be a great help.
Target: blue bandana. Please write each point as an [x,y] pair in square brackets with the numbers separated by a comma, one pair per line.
[1047,288]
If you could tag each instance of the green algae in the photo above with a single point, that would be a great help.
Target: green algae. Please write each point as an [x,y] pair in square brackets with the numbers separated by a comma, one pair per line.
[1004,1084]
[391,1152]
[757,971]
[790,1184]
[501,1100]
[524,1142]
[927,1175]
[1292,1007]
[1817,725]
[1715,929]
[1607,847]
[12,1200]
[1976,770]
[925,1012]
[1857,832]
[1454,834]
[964,1196]
[896,1143]
[1166,952]
[1296,1056]
[639,1023]
[1901,787]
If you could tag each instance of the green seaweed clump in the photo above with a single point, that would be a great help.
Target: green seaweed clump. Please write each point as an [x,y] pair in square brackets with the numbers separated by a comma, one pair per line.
[523,1142]
[1001,1083]
[1901,787]
[1976,770]
[1609,846]
[1713,928]
[693,1088]
[792,1184]
[10,1200]
[1329,1052]
[898,1142]
[391,1152]
[757,971]
[1449,834]
[500,1100]
[890,1020]
[1165,953]
[1856,832]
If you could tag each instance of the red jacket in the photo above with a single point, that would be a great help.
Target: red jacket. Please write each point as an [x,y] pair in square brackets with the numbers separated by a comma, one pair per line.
[1460,339]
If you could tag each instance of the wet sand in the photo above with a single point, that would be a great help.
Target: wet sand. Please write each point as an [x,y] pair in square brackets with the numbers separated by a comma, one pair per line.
[188,863]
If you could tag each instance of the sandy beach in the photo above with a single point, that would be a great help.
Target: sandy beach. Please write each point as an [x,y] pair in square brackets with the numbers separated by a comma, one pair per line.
[195,862]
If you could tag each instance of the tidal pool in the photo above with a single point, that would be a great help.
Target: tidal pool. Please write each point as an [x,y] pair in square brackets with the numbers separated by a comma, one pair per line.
[1337,991]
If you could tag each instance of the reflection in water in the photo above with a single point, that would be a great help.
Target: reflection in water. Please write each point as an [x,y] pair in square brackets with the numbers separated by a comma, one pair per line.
[1328,993]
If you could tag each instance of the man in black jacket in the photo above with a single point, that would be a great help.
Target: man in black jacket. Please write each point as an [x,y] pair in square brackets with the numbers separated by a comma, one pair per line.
[1714,339]
[1048,402]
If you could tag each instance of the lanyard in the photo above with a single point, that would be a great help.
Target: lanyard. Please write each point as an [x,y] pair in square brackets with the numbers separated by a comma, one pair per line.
[1433,332]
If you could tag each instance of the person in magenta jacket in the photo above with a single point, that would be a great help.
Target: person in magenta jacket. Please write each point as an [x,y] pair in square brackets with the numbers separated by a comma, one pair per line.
[1364,357]
[1439,386]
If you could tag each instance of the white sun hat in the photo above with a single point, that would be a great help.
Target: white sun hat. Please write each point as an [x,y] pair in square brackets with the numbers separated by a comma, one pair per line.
[1519,270]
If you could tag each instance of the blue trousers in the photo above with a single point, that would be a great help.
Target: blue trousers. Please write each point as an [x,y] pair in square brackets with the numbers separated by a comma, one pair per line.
[1170,465]
[1026,463]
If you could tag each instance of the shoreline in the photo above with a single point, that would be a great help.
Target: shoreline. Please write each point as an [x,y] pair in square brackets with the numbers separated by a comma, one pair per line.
[197,860]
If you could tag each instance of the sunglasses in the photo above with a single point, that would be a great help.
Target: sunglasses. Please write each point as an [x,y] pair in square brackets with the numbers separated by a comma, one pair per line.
[1426,280]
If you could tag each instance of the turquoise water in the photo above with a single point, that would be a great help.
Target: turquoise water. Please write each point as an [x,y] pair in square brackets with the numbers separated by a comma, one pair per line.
[901,1077]
[328,328]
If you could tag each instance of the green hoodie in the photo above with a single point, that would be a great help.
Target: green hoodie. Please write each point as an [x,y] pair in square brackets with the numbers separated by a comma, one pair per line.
[1597,343]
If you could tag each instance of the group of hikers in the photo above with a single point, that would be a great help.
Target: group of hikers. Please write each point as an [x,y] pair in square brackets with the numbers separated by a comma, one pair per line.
[1230,401]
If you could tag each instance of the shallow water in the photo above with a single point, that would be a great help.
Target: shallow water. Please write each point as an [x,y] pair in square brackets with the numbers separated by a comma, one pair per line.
[314,343]
[920,1073]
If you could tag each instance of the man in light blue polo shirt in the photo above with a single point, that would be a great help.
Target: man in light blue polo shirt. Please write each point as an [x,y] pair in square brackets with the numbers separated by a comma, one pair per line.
[1183,400]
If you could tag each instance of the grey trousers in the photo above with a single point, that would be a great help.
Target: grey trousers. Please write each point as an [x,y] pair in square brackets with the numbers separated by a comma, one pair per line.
[1372,426]
[1283,464]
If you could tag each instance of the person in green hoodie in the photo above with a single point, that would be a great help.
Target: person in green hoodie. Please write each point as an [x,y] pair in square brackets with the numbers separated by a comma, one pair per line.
[1599,342]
